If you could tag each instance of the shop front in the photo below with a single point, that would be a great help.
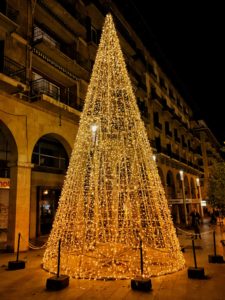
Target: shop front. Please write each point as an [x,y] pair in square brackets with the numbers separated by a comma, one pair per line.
[48,198]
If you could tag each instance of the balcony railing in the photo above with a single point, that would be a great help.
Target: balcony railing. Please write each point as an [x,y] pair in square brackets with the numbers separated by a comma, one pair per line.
[9,12]
[155,96]
[143,108]
[13,69]
[61,94]
[39,34]
[169,133]
[158,125]
[82,61]
[72,11]
[175,156]
[184,144]
[43,86]
[151,70]
[177,139]
[166,107]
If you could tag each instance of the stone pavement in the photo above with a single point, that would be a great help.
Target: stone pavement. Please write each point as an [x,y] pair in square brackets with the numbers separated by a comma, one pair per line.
[30,282]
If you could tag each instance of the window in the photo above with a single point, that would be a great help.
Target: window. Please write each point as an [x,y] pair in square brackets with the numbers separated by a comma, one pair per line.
[169,150]
[158,144]
[50,156]
[167,129]
[94,35]
[43,86]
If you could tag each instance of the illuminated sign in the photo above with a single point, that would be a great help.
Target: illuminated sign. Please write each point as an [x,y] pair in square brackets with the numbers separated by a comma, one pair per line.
[4,183]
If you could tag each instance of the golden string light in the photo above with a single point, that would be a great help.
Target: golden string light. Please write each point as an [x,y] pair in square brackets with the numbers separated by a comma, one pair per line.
[112,195]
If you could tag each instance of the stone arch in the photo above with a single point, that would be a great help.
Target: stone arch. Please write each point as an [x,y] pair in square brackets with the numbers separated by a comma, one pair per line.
[49,154]
[57,137]
[8,158]
[50,159]
[8,144]
[17,125]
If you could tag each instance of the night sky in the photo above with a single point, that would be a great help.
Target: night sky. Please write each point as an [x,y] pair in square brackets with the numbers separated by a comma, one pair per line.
[190,35]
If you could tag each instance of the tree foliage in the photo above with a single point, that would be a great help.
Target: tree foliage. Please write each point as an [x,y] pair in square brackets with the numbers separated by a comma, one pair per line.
[216,186]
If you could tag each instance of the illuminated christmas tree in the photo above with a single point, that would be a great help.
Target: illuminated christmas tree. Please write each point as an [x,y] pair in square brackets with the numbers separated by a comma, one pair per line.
[112,195]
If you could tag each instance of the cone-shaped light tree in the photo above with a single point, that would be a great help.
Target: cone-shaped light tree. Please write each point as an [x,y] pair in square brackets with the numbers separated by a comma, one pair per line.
[112,195]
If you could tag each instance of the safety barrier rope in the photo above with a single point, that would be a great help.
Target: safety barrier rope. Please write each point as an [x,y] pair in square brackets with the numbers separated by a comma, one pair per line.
[33,246]
[193,233]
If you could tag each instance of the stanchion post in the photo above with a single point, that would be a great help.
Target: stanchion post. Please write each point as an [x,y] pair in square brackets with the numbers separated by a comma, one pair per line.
[194,254]
[215,258]
[140,283]
[58,264]
[57,282]
[17,264]
[18,248]
[195,272]
[214,241]
[141,257]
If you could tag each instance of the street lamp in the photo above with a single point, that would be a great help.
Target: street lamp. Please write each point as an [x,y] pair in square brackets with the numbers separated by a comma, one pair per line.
[184,199]
[200,194]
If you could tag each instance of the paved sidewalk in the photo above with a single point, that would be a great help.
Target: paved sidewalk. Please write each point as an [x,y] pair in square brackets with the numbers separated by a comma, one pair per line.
[30,282]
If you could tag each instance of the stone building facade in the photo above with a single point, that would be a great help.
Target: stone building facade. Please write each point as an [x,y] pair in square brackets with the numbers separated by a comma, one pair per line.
[47,50]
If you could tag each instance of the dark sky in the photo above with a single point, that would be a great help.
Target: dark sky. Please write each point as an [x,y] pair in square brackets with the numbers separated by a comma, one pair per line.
[190,34]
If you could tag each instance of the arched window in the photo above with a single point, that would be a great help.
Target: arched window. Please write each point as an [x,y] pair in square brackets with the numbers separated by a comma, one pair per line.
[50,156]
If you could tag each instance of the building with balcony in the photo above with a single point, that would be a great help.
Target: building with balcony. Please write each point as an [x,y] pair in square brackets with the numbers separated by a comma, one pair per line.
[47,50]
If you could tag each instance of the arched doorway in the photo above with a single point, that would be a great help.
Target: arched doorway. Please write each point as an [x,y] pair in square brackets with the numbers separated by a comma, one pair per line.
[50,160]
[8,155]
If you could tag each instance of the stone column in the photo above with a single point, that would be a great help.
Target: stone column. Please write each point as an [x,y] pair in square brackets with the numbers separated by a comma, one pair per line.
[19,206]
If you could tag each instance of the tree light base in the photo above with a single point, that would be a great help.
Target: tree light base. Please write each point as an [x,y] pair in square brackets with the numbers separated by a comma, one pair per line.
[196,273]
[141,284]
[216,259]
[16,265]
[57,283]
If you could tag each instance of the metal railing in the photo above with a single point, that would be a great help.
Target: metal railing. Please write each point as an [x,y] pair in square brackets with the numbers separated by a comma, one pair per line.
[61,94]
[43,86]
[10,12]
[13,69]
[39,34]
[49,161]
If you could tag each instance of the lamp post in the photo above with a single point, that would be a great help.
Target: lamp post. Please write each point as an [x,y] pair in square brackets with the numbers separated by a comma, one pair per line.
[200,194]
[184,199]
